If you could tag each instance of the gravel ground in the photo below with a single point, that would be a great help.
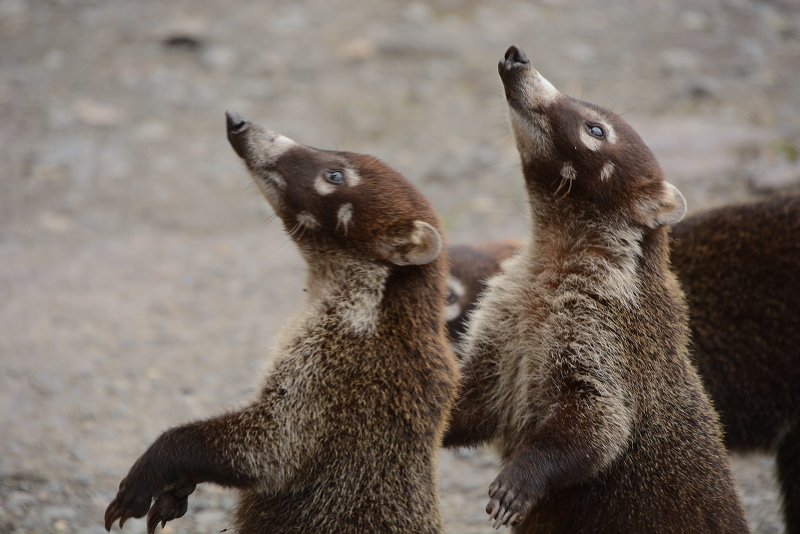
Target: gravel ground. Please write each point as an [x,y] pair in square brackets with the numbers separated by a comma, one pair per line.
[142,278]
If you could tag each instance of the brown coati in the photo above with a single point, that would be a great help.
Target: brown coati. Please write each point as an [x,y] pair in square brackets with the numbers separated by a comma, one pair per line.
[344,434]
[470,267]
[575,360]
[740,268]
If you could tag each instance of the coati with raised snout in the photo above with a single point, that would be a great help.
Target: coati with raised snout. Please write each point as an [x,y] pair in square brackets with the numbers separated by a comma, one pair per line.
[575,360]
[344,434]
[739,266]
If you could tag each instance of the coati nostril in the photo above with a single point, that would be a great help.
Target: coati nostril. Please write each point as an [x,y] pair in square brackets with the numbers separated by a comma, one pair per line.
[236,124]
[515,56]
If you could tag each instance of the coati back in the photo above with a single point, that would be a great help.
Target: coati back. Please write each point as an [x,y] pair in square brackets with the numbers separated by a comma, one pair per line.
[344,434]
[740,268]
[575,360]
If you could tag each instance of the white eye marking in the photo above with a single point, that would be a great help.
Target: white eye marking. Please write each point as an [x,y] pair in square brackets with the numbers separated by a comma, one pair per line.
[322,186]
[307,220]
[454,310]
[607,171]
[611,135]
[353,179]
[344,216]
[592,143]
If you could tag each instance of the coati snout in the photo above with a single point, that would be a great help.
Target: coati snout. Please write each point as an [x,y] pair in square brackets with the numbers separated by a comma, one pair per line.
[331,200]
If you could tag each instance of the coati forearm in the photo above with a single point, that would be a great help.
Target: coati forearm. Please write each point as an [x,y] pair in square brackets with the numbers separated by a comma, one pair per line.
[583,433]
[238,449]
[471,422]
[204,451]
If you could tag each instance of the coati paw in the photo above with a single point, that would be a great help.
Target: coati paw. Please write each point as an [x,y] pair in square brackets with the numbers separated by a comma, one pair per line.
[135,497]
[170,505]
[509,502]
[131,501]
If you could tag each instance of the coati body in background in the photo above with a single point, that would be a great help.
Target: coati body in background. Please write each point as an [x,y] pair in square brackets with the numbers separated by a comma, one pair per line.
[575,362]
[470,267]
[740,268]
[345,432]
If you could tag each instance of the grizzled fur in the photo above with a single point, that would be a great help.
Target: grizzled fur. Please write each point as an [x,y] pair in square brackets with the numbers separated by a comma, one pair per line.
[576,365]
[344,434]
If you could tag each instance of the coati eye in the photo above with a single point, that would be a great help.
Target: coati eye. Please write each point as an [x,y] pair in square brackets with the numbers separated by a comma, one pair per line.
[334,177]
[451,297]
[595,131]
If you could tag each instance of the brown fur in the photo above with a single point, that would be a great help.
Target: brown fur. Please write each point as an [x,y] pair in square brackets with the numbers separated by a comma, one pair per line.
[740,268]
[575,362]
[344,434]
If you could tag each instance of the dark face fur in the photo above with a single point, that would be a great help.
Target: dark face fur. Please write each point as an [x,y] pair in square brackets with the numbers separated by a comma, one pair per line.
[337,201]
[580,157]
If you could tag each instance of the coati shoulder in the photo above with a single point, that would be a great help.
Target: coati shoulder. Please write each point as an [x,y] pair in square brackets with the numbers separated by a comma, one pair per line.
[575,362]
[344,434]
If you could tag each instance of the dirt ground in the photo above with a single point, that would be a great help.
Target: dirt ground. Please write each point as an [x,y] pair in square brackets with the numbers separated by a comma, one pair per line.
[142,278]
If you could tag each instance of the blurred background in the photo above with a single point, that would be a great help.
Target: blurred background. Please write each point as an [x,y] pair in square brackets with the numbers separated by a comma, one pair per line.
[142,278]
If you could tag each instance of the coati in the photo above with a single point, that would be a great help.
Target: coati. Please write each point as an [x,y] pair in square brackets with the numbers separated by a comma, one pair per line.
[740,268]
[575,359]
[470,266]
[344,434]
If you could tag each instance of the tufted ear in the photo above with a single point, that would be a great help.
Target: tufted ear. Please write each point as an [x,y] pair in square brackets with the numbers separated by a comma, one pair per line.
[669,209]
[420,246]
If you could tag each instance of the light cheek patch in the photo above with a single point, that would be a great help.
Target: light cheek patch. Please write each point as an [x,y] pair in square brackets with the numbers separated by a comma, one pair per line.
[322,187]
[344,216]
[307,220]
[276,179]
[607,171]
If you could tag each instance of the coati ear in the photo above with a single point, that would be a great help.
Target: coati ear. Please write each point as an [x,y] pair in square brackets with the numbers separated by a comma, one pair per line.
[419,247]
[669,209]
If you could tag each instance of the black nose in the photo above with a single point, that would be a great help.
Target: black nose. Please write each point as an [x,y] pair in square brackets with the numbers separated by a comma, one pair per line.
[515,54]
[236,124]
[514,59]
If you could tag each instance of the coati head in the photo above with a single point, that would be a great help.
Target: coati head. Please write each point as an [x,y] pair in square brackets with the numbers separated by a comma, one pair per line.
[338,202]
[584,154]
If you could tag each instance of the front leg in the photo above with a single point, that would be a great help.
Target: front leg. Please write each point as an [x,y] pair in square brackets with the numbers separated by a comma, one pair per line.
[217,450]
[587,429]
[471,422]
